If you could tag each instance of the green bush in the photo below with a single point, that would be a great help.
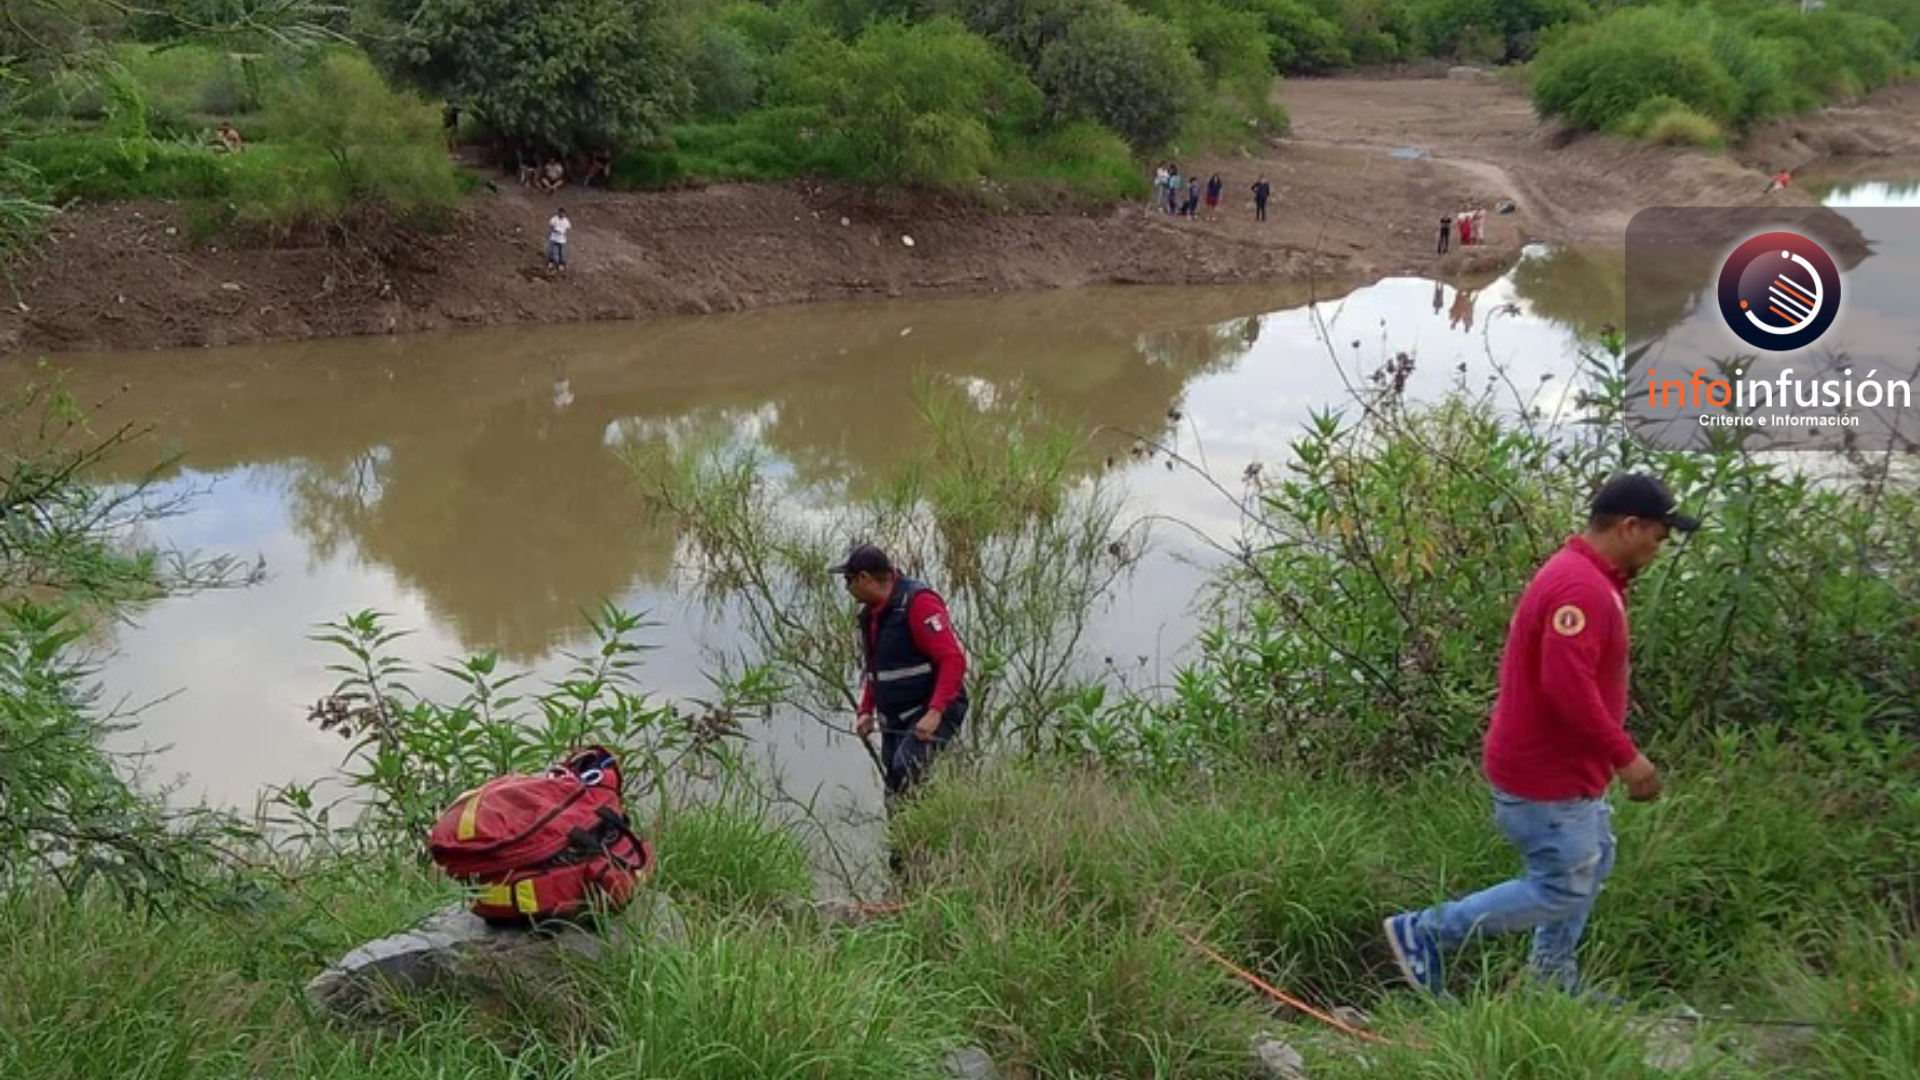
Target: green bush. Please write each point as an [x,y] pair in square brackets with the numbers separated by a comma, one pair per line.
[1299,38]
[378,146]
[725,70]
[1233,46]
[1085,157]
[1902,16]
[1488,31]
[1595,77]
[1734,66]
[1363,639]
[1124,70]
[646,168]
[762,146]
[916,104]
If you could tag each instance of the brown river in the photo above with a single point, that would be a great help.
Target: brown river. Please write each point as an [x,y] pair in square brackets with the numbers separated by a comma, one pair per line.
[467,484]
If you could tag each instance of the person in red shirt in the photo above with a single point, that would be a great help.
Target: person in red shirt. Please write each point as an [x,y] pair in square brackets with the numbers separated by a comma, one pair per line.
[1555,743]
[913,666]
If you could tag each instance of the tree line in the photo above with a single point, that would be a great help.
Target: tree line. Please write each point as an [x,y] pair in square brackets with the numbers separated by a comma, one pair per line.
[345,106]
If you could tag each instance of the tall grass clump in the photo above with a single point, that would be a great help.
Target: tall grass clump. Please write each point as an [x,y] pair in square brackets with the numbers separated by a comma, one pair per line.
[1665,122]
[1533,1036]
[756,1000]
[1294,876]
[1871,990]
[729,857]
[1084,157]
[1057,992]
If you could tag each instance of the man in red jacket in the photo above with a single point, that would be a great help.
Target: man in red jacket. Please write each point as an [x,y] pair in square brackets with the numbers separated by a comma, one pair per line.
[914,667]
[1556,741]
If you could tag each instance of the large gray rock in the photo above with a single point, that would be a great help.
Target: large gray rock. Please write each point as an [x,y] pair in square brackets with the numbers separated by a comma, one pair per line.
[971,1063]
[1274,1059]
[453,948]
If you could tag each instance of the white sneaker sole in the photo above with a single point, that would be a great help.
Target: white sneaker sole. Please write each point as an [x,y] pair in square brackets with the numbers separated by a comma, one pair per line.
[1400,956]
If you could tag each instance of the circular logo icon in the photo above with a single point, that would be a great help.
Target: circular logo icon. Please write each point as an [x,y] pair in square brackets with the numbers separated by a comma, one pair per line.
[1779,291]
[1569,620]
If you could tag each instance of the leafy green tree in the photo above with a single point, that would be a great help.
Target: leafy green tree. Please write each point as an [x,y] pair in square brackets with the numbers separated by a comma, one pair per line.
[1299,38]
[904,103]
[1490,30]
[550,75]
[1128,71]
[726,71]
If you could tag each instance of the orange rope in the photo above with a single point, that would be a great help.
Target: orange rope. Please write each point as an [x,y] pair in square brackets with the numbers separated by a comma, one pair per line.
[884,908]
[1283,997]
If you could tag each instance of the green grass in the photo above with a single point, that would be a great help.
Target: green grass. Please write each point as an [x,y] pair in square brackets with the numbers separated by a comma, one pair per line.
[1045,924]
[1085,160]
[98,168]
[1298,873]
[1683,127]
[730,858]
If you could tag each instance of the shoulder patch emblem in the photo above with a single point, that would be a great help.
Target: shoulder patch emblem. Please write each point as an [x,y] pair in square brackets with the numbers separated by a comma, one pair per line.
[935,624]
[1568,620]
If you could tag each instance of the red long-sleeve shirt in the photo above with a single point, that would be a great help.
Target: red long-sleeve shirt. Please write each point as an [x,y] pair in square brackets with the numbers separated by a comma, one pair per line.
[1558,729]
[932,629]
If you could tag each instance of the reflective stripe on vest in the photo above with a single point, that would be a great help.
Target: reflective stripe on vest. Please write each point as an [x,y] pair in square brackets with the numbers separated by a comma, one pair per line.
[893,674]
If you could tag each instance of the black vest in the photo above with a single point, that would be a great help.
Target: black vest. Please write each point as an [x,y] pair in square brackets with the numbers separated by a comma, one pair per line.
[901,675]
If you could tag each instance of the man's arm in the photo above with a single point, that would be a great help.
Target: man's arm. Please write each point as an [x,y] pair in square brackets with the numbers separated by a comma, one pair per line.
[1571,645]
[932,630]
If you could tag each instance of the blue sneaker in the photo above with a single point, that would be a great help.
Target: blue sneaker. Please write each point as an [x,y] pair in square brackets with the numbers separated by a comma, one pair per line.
[1415,952]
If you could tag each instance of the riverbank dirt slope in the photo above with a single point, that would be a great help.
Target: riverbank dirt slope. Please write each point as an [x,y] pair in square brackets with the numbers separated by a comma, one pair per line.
[1359,184]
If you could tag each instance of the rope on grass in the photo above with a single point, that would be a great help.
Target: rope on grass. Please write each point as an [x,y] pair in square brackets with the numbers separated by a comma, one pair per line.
[885,908]
[1283,997]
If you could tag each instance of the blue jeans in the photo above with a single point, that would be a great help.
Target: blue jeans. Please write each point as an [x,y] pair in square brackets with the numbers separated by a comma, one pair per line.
[905,757]
[556,253]
[1568,848]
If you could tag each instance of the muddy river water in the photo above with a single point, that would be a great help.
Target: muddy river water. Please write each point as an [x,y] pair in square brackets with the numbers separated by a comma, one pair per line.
[467,483]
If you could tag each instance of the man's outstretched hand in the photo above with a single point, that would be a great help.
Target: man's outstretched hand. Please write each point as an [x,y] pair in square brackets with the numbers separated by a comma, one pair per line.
[1641,778]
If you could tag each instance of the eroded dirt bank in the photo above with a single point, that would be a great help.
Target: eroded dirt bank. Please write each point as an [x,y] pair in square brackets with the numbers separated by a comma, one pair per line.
[1358,186]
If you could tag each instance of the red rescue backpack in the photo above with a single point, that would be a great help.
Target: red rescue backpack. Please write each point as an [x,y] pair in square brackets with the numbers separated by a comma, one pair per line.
[553,846]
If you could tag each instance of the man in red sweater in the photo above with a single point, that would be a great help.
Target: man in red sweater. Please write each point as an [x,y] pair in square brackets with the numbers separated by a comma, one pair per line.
[914,667]
[1556,741]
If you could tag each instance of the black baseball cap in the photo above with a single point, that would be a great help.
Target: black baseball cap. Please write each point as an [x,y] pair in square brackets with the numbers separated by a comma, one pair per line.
[863,559]
[1641,496]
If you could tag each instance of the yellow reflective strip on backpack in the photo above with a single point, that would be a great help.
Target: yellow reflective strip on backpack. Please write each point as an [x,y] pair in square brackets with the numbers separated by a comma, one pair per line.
[469,819]
[524,899]
[496,896]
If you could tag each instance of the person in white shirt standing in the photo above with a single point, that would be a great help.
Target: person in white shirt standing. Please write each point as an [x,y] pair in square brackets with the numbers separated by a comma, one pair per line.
[557,228]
